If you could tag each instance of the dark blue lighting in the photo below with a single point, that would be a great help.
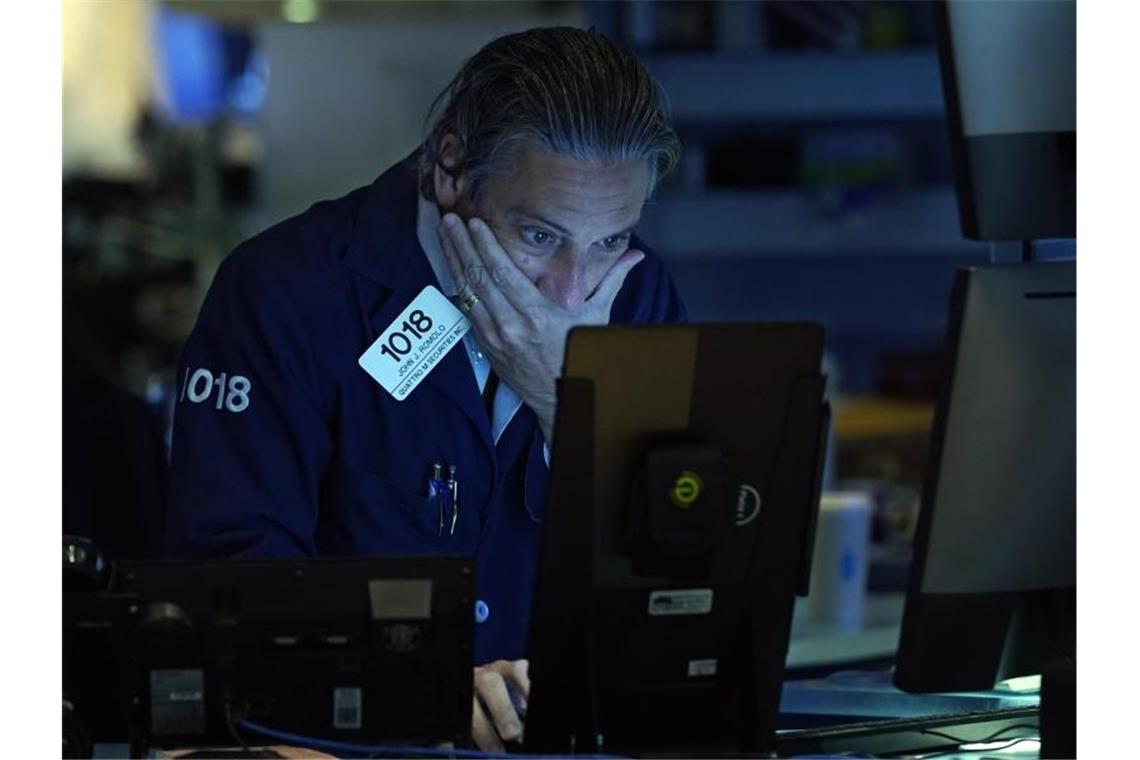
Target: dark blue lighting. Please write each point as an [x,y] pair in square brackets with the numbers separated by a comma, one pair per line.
[206,70]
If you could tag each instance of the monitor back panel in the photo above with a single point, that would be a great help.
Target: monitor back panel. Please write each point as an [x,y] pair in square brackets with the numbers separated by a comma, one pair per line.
[691,657]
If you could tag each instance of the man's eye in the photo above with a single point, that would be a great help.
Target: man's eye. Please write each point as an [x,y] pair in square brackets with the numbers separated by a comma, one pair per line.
[615,241]
[538,237]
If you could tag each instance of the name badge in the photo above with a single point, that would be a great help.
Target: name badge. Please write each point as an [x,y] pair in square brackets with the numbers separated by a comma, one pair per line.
[414,343]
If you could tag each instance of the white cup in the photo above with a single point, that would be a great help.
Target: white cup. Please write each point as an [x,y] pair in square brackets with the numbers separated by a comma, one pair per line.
[838,590]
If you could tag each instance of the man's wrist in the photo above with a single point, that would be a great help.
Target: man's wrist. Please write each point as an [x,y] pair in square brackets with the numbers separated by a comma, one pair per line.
[546,425]
[544,412]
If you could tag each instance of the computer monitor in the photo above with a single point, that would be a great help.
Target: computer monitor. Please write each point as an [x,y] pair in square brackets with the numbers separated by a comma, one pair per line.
[359,650]
[1009,75]
[992,590]
[684,480]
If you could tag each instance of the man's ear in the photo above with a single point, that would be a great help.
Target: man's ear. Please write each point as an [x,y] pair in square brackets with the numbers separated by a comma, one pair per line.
[449,182]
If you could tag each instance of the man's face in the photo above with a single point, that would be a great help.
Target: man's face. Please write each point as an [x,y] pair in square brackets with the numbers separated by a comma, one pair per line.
[564,222]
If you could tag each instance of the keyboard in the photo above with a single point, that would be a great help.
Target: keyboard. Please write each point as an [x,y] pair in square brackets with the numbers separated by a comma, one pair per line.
[912,735]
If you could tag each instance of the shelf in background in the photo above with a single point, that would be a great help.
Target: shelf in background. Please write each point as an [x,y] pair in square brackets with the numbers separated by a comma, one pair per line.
[787,223]
[860,418]
[726,87]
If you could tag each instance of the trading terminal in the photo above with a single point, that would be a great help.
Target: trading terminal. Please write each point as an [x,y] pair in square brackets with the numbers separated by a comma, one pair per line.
[696,380]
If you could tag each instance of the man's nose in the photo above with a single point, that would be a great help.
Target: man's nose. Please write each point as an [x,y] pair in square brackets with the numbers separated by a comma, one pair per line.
[566,282]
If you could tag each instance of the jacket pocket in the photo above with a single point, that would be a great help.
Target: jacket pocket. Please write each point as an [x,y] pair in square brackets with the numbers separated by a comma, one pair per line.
[385,517]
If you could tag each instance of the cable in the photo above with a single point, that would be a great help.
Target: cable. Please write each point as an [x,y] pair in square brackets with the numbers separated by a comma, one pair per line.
[960,751]
[398,751]
[337,746]
[990,738]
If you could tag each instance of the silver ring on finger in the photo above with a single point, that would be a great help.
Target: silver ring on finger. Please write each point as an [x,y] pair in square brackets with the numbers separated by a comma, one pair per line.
[467,300]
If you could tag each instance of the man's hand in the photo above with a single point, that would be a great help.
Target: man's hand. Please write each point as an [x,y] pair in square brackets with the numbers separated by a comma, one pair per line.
[495,715]
[521,330]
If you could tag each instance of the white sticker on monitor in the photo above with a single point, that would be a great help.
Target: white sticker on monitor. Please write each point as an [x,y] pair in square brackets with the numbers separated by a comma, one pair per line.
[410,347]
[687,601]
[698,668]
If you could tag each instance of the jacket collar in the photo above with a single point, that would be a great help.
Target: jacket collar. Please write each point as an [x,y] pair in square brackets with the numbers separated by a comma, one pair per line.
[383,246]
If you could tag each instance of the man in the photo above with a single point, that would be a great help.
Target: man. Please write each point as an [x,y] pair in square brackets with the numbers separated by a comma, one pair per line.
[519,207]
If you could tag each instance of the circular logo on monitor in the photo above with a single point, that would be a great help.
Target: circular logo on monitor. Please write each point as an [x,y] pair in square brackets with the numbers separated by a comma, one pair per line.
[747,504]
[686,489]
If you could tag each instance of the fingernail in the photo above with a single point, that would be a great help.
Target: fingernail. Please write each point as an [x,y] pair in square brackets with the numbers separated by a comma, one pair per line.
[451,220]
[513,730]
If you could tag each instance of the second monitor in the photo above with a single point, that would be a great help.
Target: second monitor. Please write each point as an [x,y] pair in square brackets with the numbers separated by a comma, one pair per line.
[993,583]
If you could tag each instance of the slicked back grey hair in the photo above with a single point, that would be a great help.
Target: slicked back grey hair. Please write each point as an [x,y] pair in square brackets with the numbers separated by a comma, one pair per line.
[569,90]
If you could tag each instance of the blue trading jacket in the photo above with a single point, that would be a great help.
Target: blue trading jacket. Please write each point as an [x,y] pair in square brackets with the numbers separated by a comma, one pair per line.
[283,446]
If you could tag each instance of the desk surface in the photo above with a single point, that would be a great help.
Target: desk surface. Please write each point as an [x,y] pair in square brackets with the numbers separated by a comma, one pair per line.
[872,695]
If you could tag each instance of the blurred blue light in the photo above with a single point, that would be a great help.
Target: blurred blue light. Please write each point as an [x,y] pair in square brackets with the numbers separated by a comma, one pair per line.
[191,66]
[206,70]
[247,90]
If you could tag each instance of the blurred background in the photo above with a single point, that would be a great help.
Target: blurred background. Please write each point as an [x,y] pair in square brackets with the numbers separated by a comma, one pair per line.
[816,184]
